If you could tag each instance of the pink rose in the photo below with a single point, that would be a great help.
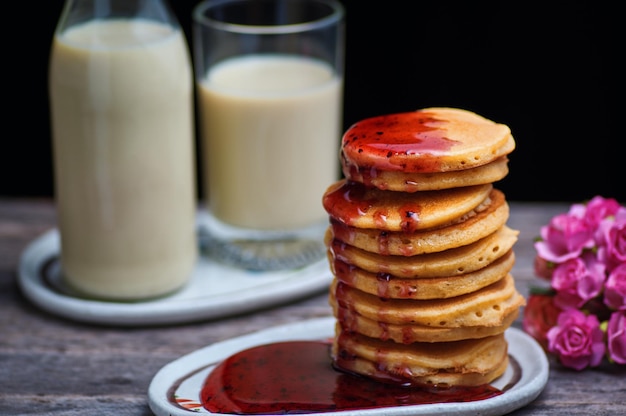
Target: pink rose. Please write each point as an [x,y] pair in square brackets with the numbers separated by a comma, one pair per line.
[583,255]
[565,237]
[611,237]
[577,340]
[615,288]
[616,337]
[540,314]
[578,281]
[598,208]
[543,268]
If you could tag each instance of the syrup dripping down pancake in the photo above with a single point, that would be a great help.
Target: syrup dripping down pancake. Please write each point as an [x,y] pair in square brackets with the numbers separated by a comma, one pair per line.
[356,205]
[486,306]
[452,262]
[466,362]
[407,334]
[430,140]
[387,286]
[414,182]
[466,229]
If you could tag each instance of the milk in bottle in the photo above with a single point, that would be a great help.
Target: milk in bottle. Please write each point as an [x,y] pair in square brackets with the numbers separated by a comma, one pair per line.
[122,124]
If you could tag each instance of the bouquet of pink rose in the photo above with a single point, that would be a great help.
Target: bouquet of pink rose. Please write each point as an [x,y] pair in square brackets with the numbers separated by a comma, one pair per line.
[581,316]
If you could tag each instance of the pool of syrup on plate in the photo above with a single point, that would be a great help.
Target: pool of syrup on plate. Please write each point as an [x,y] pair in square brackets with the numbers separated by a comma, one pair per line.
[298,377]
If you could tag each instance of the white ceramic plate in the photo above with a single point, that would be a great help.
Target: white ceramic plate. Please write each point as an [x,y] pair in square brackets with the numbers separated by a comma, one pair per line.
[214,291]
[175,389]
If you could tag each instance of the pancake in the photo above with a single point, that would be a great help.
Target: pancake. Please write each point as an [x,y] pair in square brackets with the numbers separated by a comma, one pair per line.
[406,334]
[453,262]
[430,140]
[465,362]
[414,182]
[387,286]
[355,205]
[420,250]
[479,223]
[484,307]
[441,379]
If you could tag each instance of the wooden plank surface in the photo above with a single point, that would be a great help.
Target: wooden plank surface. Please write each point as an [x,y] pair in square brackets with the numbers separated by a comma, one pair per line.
[53,366]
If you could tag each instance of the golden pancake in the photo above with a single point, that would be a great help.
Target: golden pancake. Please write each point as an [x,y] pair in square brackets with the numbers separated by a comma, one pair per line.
[385,285]
[413,182]
[441,379]
[407,334]
[484,307]
[420,251]
[484,221]
[465,362]
[453,262]
[356,205]
[430,140]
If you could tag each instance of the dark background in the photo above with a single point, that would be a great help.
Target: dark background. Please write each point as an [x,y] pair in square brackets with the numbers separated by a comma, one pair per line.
[547,69]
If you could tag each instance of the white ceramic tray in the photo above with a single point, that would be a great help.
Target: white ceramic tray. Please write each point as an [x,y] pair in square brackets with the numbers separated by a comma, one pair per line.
[175,389]
[214,291]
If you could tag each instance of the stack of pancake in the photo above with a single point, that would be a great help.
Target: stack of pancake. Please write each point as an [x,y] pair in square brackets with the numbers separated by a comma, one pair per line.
[420,250]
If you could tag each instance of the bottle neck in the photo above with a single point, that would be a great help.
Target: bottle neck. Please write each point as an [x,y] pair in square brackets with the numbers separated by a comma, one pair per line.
[82,11]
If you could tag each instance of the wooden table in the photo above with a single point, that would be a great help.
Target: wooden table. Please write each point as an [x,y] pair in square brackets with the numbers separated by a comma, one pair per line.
[53,366]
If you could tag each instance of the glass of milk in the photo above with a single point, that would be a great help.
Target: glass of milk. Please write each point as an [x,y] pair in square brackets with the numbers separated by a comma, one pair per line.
[121,98]
[269,82]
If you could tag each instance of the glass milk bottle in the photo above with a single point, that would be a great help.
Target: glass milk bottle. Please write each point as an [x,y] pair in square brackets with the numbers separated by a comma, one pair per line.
[121,102]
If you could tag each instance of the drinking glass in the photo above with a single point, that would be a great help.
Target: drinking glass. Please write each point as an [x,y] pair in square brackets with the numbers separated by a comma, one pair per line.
[269,82]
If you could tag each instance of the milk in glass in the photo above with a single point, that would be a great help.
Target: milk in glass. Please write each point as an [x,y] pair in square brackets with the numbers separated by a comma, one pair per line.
[271,130]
